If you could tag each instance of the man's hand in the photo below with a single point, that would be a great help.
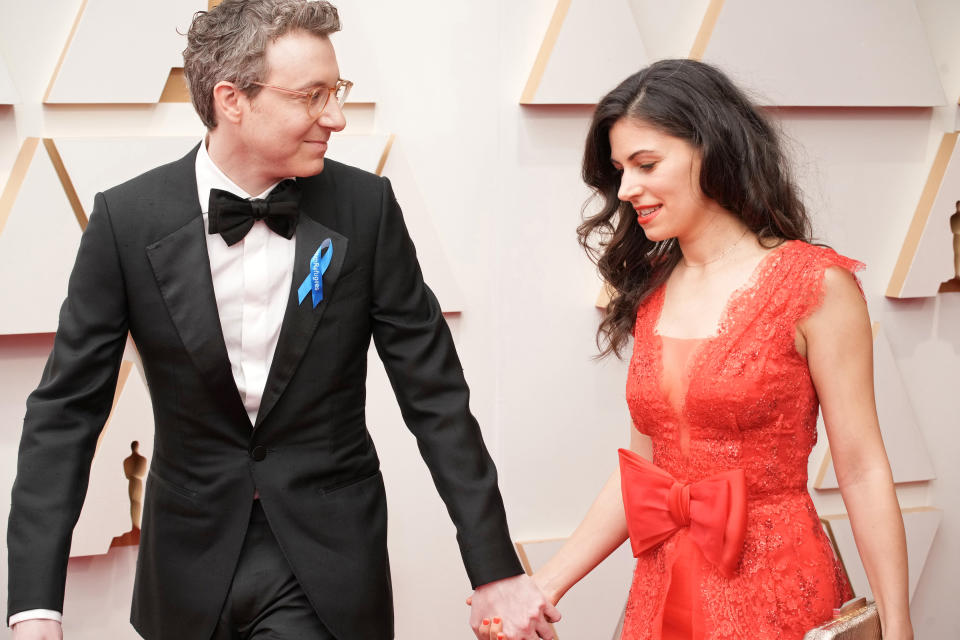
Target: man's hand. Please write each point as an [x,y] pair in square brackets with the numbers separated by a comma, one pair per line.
[37,630]
[525,612]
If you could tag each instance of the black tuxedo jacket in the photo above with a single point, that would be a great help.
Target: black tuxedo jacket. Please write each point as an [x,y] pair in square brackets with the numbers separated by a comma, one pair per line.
[143,267]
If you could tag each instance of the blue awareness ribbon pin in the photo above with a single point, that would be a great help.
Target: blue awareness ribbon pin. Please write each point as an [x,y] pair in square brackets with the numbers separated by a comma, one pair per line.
[319,264]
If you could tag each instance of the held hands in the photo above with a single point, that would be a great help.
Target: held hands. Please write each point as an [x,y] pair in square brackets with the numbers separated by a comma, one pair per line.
[37,630]
[513,609]
[491,629]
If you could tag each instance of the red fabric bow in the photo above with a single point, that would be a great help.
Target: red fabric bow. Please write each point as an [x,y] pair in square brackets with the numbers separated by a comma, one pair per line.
[657,506]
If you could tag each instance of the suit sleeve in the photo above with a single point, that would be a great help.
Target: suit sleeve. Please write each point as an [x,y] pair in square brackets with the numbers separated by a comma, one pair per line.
[416,347]
[64,418]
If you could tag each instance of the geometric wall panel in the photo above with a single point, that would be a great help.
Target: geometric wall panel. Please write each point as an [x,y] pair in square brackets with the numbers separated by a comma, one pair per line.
[902,438]
[89,71]
[39,230]
[869,53]
[39,237]
[592,608]
[357,51]
[675,29]
[96,164]
[433,259]
[150,69]
[98,592]
[8,92]
[121,51]
[929,259]
[920,525]
[107,509]
[175,89]
[367,152]
[590,46]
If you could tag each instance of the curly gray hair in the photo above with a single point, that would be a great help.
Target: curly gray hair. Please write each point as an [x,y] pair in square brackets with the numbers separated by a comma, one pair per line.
[229,43]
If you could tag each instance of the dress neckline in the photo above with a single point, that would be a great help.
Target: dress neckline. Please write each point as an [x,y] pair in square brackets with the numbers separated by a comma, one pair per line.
[752,282]
[703,344]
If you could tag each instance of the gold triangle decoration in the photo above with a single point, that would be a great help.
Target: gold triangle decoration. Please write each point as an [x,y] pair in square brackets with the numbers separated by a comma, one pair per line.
[66,47]
[15,181]
[66,182]
[365,151]
[385,154]
[634,53]
[706,29]
[90,164]
[546,49]
[930,228]
[604,297]
[37,267]
[175,90]
[601,35]
[150,41]
[573,65]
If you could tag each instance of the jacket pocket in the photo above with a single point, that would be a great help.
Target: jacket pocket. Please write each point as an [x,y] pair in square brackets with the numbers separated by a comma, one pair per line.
[170,486]
[350,482]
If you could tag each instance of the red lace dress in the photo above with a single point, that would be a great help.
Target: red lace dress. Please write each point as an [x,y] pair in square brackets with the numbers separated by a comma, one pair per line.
[742,399]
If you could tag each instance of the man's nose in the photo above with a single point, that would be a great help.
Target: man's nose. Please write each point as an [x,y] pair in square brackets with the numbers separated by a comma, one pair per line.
[332,116]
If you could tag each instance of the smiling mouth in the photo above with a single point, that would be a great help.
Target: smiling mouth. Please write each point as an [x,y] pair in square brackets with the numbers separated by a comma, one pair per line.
[648,211]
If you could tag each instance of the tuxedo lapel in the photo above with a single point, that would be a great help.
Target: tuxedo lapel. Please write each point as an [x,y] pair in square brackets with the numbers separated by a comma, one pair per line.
[181,267]
[301,319]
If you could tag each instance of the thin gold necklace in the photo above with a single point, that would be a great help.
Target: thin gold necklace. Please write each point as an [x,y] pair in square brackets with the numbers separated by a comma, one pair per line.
[722,253]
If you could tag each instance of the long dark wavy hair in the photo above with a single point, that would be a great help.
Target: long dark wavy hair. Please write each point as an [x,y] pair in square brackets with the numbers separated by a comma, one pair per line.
[743,169]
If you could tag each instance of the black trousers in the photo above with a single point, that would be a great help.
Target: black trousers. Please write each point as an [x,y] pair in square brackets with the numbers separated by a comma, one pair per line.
[265,601]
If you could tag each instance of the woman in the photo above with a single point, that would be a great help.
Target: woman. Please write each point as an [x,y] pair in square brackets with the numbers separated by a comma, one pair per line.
[740,326]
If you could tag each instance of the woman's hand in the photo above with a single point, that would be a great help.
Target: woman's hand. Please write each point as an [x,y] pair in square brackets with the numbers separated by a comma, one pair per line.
[490,629]
[515,603]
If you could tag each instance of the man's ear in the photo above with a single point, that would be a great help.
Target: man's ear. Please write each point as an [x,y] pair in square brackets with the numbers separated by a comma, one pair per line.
[228,101]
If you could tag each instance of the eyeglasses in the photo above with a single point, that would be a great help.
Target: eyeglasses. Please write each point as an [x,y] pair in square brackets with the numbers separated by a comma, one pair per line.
[316,99]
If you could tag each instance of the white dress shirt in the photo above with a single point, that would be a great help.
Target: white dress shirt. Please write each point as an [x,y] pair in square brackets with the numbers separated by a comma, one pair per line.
[251,283]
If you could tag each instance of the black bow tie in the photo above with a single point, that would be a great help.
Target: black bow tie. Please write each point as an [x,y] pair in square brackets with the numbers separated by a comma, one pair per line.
[232,217]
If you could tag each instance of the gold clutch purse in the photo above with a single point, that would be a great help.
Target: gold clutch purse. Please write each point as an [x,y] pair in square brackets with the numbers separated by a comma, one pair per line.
[855,620]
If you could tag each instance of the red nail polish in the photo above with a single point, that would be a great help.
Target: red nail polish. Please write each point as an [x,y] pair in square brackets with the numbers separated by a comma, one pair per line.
[496,621]
[486,622]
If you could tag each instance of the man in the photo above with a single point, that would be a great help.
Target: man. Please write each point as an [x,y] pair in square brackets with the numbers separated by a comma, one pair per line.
[264,513]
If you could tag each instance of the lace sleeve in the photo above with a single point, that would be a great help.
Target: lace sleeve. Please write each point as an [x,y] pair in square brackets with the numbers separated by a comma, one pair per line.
[809,275]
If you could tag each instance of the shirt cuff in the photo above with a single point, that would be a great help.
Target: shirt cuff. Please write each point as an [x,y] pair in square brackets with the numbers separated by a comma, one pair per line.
[35,614]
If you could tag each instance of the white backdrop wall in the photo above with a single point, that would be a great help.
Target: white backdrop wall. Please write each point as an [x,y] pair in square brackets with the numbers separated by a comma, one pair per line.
[500,184]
